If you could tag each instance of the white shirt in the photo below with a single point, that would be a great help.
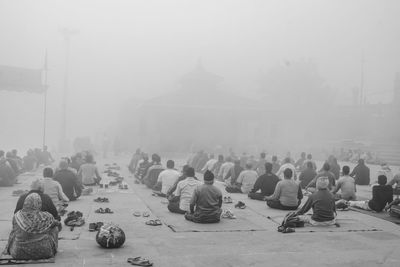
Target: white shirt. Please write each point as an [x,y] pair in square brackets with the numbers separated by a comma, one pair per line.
[185,190]
[284,167]
[167,178]
[54,190]
[225,167]
[209,165]
[247,178]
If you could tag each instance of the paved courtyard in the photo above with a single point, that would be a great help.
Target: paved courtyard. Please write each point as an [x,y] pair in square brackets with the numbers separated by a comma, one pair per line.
[249,240]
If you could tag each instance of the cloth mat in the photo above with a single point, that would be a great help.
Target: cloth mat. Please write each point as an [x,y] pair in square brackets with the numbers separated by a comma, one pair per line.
[66,234]
[346,225]
[381,215]
[246,219]
[8,260]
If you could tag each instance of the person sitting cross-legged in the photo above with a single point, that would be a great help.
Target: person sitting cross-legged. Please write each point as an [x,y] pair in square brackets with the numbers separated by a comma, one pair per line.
[382,195]
[184,191]
[266,183]
[68,181]
[347,186]
[245,181]
[34,233]
[322,203]
[287,194]
[166,179]
[206,202]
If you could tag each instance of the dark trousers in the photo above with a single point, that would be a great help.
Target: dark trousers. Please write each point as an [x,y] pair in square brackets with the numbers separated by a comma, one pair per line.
[256,196]
[276,204]
[174,207]
[233,189]
[198,217]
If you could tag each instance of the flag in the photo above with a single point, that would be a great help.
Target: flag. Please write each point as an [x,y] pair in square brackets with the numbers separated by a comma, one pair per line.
[21,79]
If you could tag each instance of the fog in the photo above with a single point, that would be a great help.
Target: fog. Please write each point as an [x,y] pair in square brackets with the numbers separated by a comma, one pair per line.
[124,53]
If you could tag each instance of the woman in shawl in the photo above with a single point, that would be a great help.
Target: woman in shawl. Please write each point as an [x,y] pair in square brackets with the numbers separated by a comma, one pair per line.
[35,233]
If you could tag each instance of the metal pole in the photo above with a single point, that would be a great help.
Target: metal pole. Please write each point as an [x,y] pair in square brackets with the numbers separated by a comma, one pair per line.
[67,33]
[45,98]
[65,92]
[362,94]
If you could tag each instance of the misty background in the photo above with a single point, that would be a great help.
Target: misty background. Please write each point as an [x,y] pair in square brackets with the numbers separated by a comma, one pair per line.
[126,52]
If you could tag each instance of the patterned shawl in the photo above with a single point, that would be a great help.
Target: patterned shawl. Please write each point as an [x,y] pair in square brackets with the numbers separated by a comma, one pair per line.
[30,218]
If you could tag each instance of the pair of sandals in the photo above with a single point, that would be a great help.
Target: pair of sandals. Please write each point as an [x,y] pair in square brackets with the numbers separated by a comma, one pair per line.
[286,230]
[101,210]
[228,200]
[138,214]
[95,226]
[139,261]
[155,222]
[101,200]
[227,214]
[240,205]
[121,186]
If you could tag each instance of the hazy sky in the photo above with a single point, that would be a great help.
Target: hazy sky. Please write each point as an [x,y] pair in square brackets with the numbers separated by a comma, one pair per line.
[140,48]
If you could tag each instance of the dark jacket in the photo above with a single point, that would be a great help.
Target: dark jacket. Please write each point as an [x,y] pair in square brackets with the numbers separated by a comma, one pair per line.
[47,203]
[323,204]
[266,183]
[69,183]
[306,177]
[361,175]
[381,195]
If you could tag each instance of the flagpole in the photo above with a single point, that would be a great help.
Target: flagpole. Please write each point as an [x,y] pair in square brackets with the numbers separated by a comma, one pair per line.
[45,99]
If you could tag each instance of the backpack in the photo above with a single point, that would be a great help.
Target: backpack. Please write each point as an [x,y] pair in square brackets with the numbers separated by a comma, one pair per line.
[292,220]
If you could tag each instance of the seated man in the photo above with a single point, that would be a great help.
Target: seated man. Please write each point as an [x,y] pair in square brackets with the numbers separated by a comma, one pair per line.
[287,194]
[382,195]
[184,190]
[35,233]
[287,164]
[47,203]
[68,180]
[266,183]
[324,173]
[361,173]
[307,175]
[323,204]
[166,179]
[156,168]
[245,181]
[232,175]
[346,185]
[53,189]
[206,202]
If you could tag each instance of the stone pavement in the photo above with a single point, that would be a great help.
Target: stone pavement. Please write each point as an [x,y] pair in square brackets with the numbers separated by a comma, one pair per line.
[250,240]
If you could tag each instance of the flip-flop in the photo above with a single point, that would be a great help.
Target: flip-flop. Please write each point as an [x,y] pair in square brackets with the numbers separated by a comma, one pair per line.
[154,222]
[146,214]
[108,210]
[136,214]
[100,210]
[139,261]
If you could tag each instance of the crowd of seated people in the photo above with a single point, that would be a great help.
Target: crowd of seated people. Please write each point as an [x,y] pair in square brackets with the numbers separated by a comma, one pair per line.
[36,222]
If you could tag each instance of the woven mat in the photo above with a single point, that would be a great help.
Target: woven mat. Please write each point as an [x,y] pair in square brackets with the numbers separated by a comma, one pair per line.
[8,260]
[381,215]
[346,225]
